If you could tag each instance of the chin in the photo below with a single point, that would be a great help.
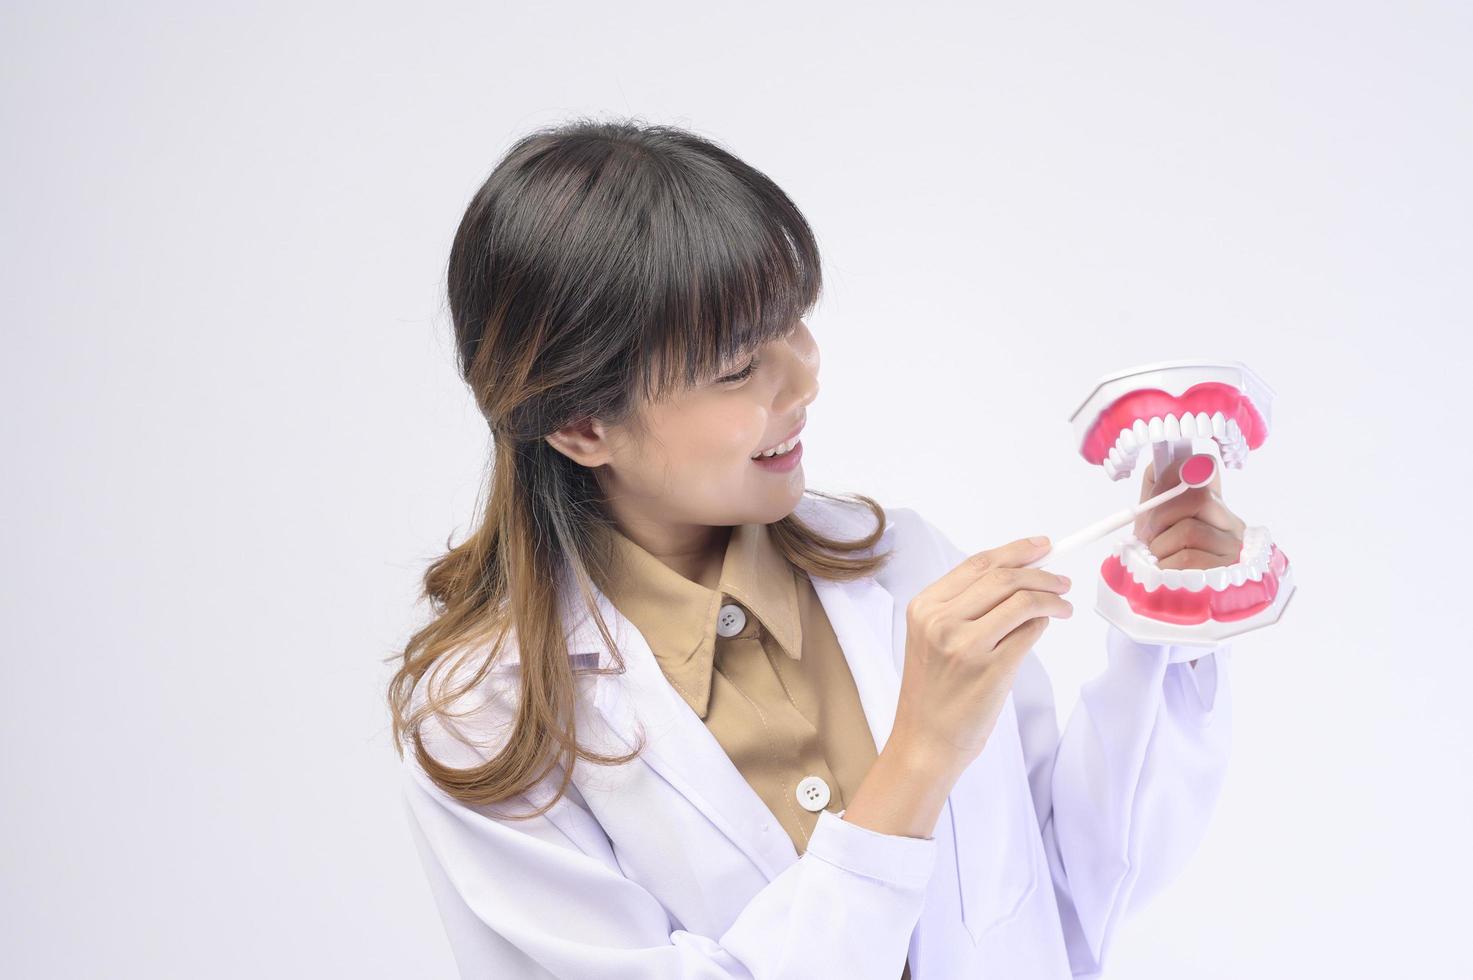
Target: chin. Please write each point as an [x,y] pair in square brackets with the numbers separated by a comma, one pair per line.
[783,506]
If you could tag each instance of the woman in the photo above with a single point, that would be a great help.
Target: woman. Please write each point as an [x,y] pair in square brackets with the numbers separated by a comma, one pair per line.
[678,716]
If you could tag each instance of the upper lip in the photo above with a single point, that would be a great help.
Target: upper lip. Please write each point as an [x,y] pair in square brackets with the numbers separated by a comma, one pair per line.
[790,436]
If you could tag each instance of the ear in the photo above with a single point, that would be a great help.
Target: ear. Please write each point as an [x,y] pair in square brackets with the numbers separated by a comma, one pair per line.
[585,442]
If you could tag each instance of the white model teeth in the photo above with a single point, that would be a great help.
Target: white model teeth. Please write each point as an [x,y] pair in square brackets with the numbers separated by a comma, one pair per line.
[1142,565]
[778,450]
[1120,462]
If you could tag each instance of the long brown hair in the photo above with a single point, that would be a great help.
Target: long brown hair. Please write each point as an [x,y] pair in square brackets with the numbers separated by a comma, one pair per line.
[600,264]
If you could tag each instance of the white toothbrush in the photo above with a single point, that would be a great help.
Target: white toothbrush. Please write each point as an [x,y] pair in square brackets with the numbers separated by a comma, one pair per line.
[1196,471]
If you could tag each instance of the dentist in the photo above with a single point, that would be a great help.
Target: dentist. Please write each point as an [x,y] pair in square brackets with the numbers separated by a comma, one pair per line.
[678,715]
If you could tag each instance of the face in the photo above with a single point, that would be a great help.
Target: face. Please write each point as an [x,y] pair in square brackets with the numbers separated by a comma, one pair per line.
[694,469]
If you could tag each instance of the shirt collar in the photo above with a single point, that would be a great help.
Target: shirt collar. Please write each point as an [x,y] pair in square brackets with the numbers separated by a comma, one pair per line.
[677,617]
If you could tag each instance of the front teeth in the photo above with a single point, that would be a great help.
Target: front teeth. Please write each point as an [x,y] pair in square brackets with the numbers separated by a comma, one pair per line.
[1251,565]
[778,450]
[1121,459]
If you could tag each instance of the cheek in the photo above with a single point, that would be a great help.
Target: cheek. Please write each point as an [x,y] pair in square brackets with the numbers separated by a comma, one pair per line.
[710,440]
[729,445]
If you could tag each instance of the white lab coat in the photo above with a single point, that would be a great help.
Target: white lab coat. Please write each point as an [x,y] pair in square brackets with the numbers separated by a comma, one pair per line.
[672,866]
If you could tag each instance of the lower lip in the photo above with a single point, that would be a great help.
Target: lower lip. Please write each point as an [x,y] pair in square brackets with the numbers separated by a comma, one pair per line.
[783,463]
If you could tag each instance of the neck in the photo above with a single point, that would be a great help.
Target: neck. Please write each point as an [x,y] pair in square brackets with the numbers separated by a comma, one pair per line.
[695,551]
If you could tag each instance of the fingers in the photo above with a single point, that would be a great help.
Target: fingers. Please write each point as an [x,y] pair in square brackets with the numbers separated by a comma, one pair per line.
[988,591]
[1022,639]
[1192,558]
[1199,504]
[1207,543]
[1013,611]
[1010,555]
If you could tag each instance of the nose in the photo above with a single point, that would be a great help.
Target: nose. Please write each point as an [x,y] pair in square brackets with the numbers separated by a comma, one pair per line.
[801,380]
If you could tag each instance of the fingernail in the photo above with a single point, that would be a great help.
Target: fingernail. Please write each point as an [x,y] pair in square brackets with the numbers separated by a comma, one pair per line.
[1067,581]
[1041,540]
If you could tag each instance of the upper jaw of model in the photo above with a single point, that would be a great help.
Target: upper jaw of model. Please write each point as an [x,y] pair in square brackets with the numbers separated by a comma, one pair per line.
[1188,399]
[1173,409]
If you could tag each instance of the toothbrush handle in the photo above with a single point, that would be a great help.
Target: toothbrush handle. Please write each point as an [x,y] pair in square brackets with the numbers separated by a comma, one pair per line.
[1102,527]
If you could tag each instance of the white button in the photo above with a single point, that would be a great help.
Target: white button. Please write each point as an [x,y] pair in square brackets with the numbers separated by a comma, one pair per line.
[813,794]
[731,619]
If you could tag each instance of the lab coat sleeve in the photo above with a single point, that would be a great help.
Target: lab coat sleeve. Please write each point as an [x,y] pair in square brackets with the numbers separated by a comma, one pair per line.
[545,897]
[1124,798]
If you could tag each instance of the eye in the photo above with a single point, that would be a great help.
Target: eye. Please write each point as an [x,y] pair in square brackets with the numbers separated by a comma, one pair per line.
[741,375]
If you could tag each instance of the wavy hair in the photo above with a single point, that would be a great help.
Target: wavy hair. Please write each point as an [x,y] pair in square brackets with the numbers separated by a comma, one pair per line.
[602,264]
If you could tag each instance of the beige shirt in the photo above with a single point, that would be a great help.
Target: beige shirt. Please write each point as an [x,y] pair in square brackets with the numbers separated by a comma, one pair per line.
[776,692]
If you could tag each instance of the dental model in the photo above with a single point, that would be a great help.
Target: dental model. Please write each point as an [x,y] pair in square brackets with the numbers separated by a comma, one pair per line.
[1218,412]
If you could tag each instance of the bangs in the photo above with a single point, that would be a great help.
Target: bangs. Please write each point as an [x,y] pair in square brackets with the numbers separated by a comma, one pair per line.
[730,264]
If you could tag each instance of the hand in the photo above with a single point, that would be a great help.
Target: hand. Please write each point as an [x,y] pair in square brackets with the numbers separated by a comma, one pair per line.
[966,636]
[1192,530]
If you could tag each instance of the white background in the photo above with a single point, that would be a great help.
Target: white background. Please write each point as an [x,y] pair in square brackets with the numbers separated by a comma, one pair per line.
[234,435]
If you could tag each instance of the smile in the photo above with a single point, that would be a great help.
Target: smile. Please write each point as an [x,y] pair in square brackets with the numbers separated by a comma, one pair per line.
[781,448]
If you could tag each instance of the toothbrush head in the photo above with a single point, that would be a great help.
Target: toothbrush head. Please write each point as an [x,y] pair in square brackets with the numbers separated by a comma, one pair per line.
[1198,470]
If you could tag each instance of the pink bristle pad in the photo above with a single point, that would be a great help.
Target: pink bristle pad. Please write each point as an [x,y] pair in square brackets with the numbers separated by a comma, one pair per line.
[1198,469]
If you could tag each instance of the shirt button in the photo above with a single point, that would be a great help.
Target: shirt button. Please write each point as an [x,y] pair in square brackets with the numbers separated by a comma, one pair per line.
[813,794]
[730,620]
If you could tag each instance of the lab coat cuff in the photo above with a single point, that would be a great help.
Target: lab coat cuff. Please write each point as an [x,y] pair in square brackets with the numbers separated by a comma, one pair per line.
[1203,681]
[894,858]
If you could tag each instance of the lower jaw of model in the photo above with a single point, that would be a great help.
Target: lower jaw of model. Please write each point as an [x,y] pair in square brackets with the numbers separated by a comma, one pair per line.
[1170,410]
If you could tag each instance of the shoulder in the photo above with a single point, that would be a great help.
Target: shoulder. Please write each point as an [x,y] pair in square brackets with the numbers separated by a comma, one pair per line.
[924,539]
[920,552]
[837,517]
[917,547]
[846,518]
[476,713]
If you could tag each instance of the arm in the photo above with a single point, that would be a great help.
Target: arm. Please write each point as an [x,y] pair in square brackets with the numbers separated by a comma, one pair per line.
[1125,796]
[546,898]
